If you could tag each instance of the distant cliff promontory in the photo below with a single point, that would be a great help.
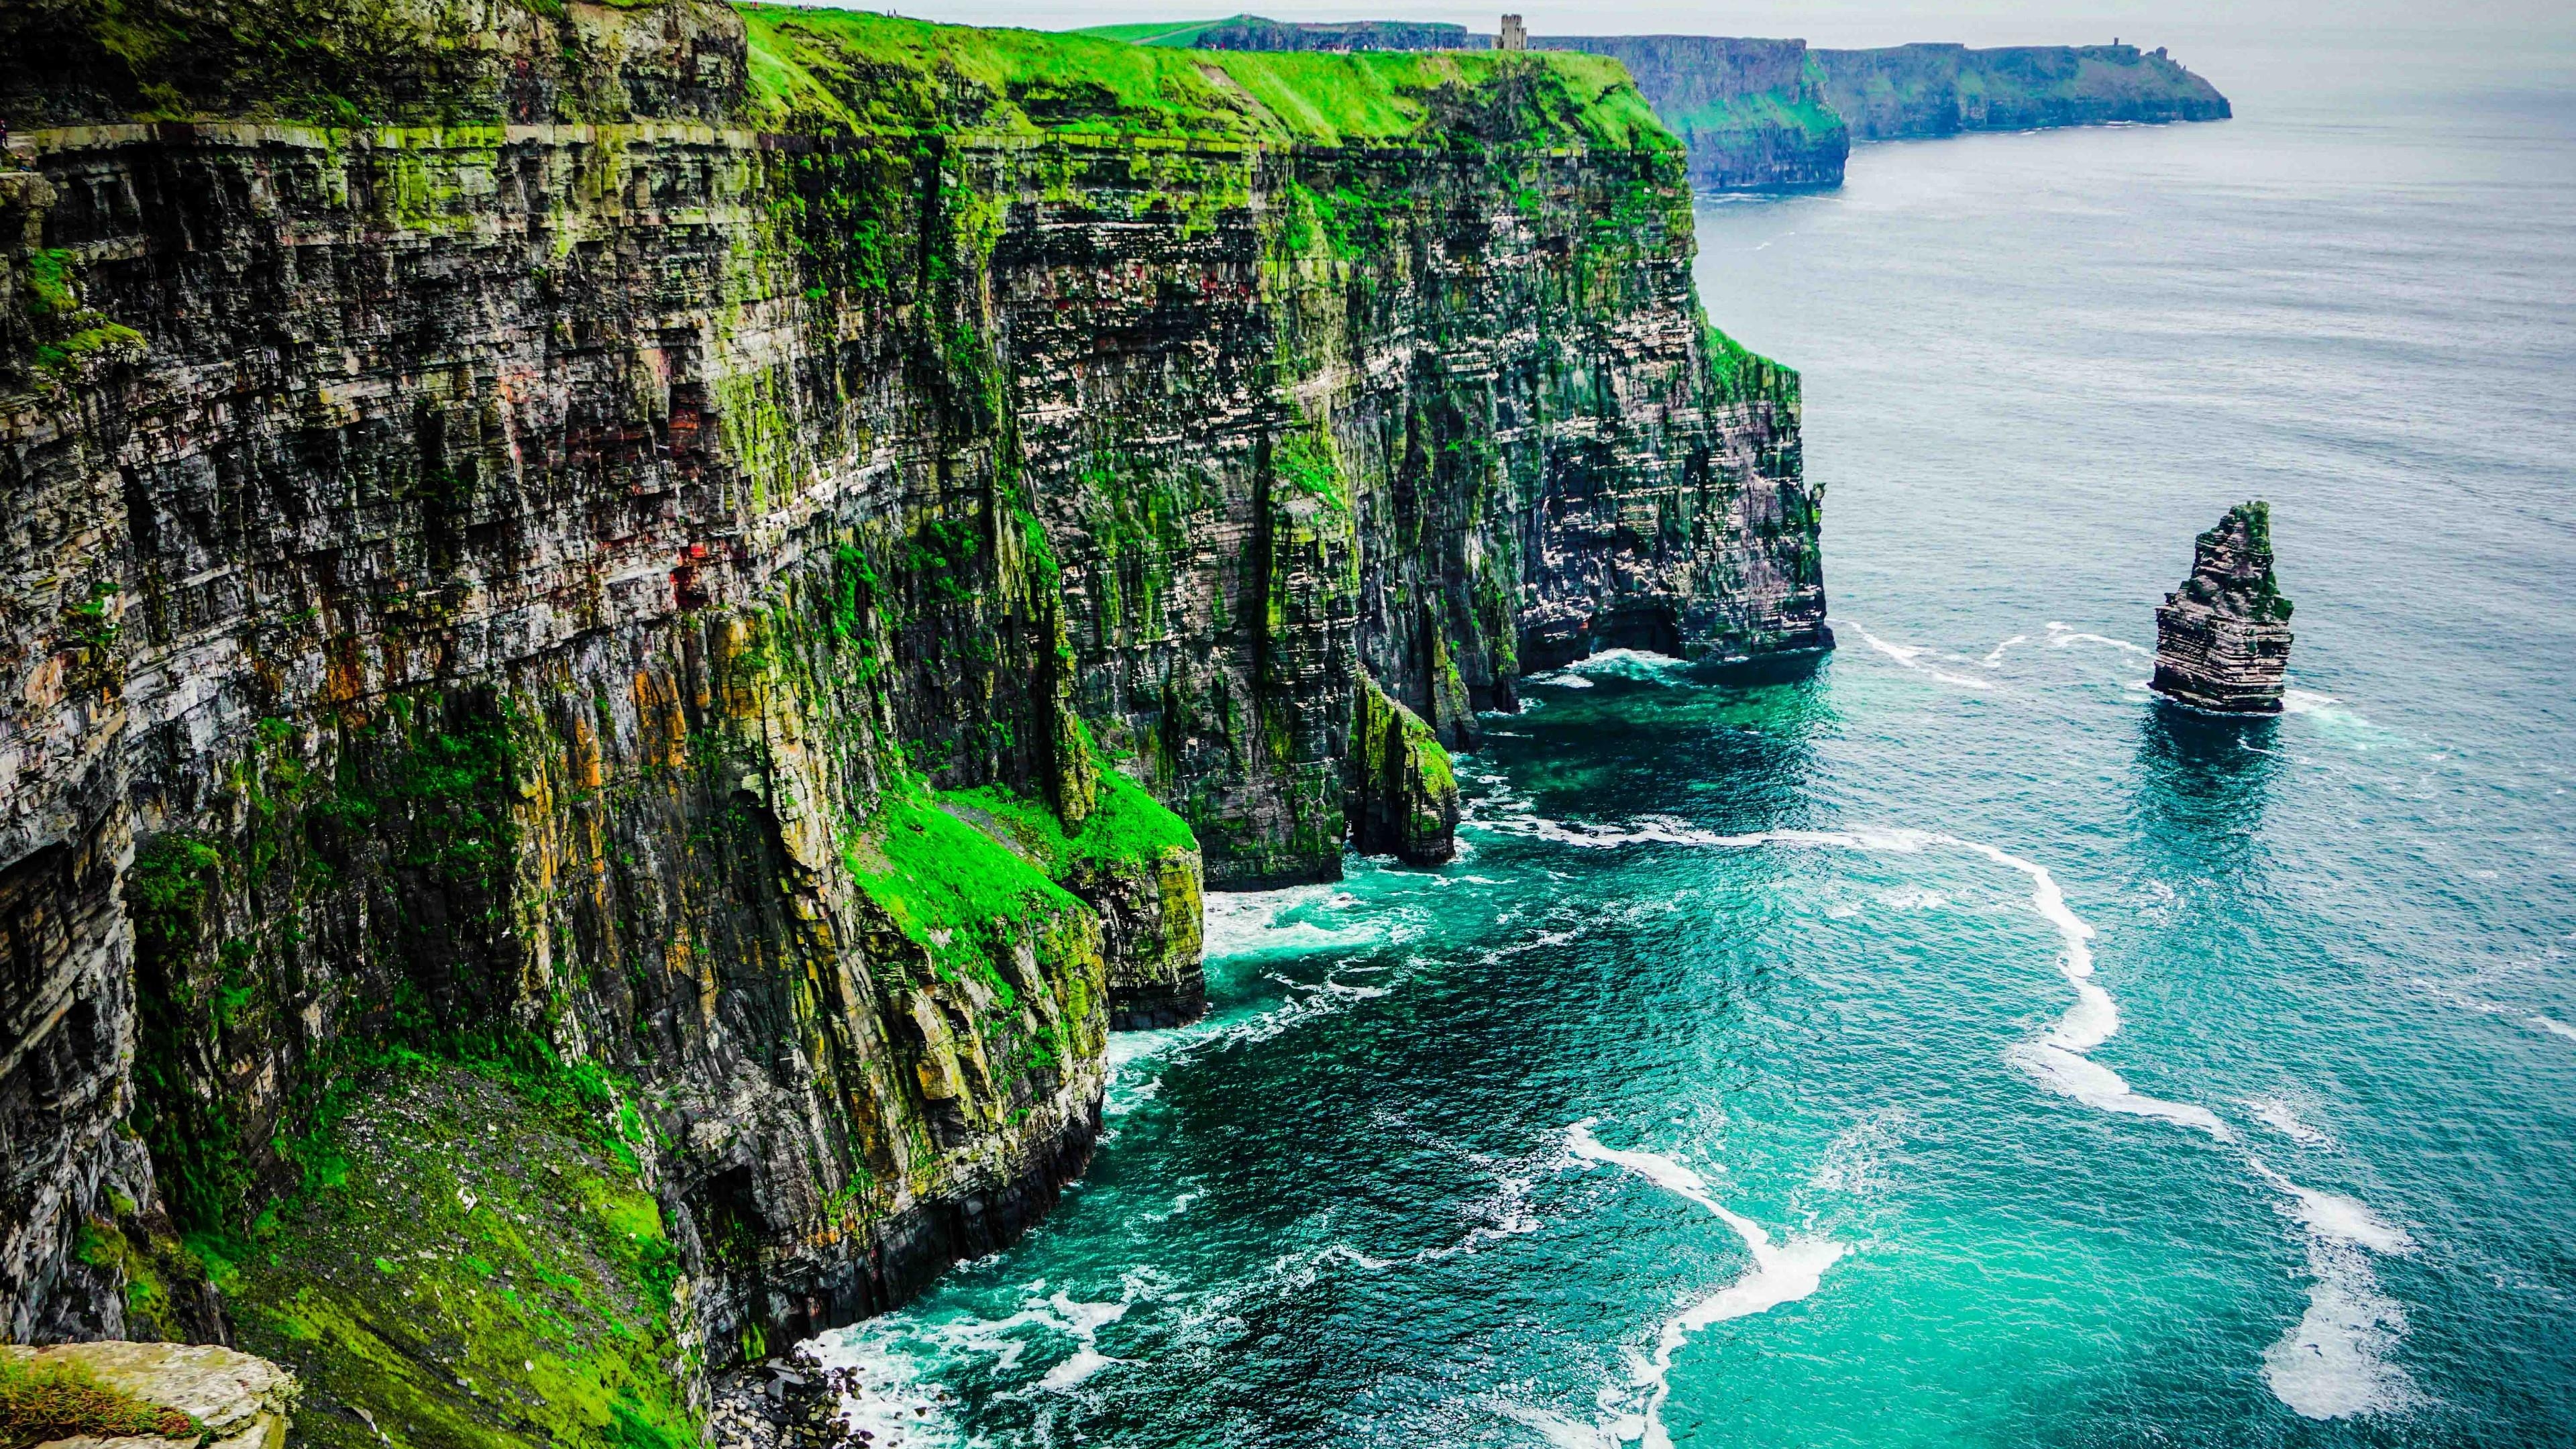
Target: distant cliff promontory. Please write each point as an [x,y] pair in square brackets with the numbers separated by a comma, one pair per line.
[1774,115]
[1755,114]
[1909,91]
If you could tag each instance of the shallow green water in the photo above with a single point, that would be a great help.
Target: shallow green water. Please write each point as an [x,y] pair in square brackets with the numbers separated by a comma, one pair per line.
[1741,1086]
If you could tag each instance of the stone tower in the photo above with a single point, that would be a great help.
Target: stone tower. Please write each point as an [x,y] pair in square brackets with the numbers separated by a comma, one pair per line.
[1513,36]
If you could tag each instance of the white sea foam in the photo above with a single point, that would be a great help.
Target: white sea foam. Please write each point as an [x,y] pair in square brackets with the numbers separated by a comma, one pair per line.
[1561,678]
[1911,656]
[2338,723]
[2281,1117]
[884,1393]
[2335,1363]
[1995,657]
[888,1398]
[1557,1431]
[1084,1363]
[1641,664]
[2537,1021]
[2057,1060]
[1855,1162]
[2060,635]
[1781,1273]
[1250,923]
[2095,1085]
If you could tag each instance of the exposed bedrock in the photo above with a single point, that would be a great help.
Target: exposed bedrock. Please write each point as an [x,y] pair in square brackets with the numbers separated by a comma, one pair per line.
[705,589]
[2223,638]
[1908,91]
[1752,112]
[1404,800]
[1773,115]
[122,1395]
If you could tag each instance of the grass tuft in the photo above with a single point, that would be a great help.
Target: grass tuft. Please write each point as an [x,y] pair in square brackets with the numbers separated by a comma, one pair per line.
[45,1401]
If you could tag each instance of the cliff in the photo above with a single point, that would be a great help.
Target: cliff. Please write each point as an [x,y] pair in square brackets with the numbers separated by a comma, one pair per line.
[2223,638]
[1940,90]
[628,630]
[1772,115]
[1752,112]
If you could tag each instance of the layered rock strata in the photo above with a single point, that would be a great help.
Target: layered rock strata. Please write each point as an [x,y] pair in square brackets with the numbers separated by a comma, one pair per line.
[1773,115]
[1913,91]
[731,575]
[2223,638]
[1752,112]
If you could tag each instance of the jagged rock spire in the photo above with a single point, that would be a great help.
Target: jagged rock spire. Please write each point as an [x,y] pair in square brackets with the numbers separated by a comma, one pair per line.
[2223,638]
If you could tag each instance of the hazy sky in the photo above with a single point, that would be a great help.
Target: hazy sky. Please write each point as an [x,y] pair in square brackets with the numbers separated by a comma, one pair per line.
[1829,22]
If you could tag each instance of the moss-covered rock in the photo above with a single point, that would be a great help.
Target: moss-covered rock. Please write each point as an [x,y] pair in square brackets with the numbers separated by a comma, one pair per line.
[1138,865]
[469,1266]
[1405,795]
[144,1396]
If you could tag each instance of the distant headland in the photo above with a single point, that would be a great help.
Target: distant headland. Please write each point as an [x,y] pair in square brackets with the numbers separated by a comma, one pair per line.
[1776,115]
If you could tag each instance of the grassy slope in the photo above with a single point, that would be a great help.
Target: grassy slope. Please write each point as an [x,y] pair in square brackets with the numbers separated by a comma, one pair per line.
[1126,825]
[1758,112]
[1783,108]
[882,73]
[1158,32]
[475,1269]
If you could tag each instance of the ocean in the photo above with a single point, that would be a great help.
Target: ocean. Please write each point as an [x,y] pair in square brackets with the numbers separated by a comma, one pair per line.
[1945,1043]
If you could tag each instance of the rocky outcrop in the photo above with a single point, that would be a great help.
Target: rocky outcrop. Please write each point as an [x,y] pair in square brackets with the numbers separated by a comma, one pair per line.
[2223,638]
[1404,799]
[149,1396]
[1910,91]
[563,544]
[1752,112]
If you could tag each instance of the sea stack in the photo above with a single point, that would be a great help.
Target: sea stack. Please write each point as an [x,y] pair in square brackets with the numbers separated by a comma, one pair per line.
[2223,638]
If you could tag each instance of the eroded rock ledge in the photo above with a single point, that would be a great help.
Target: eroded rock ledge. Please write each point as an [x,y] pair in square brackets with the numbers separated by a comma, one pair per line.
[705,588]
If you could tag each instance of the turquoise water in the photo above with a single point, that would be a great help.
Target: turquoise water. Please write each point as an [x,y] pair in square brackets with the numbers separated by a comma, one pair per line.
[1743,1083]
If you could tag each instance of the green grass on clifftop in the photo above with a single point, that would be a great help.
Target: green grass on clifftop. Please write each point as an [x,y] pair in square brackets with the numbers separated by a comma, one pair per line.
[1159,32]
[874,73]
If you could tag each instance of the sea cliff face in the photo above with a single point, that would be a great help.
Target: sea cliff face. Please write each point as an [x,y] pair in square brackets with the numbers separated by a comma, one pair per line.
[1772,115]
[1911,91]
[1752,112]
[700,592]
